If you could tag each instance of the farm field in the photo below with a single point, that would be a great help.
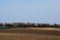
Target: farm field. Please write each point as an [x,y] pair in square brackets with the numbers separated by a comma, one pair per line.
[30,34]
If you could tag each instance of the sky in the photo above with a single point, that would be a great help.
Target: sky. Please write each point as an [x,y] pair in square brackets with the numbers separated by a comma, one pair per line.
[37,11]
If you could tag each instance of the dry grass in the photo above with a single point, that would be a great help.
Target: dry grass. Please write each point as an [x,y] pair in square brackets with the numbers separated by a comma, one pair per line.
[30,34]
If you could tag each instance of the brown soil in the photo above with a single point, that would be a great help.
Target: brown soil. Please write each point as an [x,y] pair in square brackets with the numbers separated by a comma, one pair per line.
[30,34]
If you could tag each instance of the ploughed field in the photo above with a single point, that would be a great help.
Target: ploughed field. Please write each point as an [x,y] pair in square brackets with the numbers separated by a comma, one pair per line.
[30,34]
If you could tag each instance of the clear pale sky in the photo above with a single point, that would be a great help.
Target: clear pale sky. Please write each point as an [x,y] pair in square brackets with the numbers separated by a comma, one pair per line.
[38,11]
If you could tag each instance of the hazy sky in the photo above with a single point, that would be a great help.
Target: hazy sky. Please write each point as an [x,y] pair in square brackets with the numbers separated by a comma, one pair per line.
[42,11]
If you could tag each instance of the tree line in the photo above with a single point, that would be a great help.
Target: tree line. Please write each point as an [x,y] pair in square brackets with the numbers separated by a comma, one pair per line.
[27,25]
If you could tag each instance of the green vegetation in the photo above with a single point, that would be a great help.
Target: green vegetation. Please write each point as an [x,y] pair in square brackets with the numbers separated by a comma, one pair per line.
[3,28]
[27,25]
